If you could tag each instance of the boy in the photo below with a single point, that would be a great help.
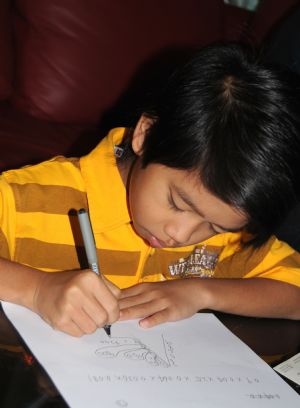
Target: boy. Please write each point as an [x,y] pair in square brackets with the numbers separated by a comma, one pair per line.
[183,207]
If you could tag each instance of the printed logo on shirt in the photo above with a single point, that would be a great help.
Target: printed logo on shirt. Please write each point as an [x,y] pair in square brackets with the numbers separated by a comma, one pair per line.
[201,263]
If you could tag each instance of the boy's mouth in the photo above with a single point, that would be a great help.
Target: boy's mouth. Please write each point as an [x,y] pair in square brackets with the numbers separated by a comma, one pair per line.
[155,242]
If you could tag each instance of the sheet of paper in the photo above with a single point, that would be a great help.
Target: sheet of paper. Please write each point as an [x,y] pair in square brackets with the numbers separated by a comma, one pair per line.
[192,363]
[290,368]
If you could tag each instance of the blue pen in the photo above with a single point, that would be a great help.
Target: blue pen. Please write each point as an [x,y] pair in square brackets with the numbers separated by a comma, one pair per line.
[90,248]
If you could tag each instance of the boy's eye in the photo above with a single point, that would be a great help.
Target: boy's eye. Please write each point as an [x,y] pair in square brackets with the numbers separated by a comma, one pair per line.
[172,204]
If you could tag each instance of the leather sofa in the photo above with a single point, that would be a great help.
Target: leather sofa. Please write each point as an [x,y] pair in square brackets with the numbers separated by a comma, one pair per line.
[70,69]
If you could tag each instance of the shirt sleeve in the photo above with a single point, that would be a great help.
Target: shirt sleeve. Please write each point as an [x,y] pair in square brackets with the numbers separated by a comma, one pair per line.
[7,220]
[274,260]
[281,263]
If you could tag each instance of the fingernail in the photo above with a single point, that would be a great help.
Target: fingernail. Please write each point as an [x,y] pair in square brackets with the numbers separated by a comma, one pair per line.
[144,324]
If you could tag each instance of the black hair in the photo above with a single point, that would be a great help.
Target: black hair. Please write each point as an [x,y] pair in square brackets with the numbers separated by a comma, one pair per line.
[237,122]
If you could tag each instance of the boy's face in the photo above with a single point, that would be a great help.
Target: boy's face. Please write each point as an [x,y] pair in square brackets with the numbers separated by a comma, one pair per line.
[171,208]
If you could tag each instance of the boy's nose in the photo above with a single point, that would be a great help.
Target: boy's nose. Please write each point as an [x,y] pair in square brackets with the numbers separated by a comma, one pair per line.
[181,234]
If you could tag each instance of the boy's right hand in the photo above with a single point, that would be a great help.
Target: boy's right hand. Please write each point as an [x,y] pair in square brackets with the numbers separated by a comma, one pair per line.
[76,302]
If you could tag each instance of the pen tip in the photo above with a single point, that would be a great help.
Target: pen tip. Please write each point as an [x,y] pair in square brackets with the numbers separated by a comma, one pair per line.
[107,329]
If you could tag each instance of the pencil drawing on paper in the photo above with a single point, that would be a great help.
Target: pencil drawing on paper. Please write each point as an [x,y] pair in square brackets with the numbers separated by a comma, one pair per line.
[131,348]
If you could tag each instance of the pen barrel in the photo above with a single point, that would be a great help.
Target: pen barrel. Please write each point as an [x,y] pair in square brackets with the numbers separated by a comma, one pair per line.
[88,240]
[90,248]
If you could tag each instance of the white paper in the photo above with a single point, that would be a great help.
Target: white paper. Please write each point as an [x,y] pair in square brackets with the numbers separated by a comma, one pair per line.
[192,363]
[290,368]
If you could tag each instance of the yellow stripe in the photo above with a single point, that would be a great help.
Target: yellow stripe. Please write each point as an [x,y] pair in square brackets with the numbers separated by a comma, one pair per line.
[49,173]
[8,214]
[291,261]
[114,263]
[51,228]
[280,263]
[4,250]
[41,255]
[50,199]
[45,256]
[242,262]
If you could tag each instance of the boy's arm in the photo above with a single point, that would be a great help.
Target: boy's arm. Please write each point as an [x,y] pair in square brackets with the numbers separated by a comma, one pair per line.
[166,301]
[76,302]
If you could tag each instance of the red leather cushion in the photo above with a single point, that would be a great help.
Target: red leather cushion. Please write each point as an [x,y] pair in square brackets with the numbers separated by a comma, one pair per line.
[6,65]
[27,140]
[75,57]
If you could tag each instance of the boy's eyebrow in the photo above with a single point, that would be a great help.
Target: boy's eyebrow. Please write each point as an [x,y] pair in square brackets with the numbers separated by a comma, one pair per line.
[182,194]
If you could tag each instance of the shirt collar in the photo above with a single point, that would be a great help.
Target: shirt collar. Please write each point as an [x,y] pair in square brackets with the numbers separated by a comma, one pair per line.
[106,192]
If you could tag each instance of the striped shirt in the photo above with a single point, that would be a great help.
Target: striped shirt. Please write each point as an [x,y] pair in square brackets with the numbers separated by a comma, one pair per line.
[39,228]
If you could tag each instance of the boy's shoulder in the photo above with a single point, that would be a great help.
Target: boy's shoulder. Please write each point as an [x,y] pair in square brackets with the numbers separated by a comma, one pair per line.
[52,186]
[57,170]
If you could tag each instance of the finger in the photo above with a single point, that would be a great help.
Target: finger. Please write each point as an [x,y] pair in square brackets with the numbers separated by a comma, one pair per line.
[155,319]
[70,328]
[132,301]
[84,322]
[134,290]
[141,310]
[106,300]
[95,312]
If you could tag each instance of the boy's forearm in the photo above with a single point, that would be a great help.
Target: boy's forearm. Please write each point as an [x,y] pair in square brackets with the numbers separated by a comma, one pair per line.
[18,283]
[252,297]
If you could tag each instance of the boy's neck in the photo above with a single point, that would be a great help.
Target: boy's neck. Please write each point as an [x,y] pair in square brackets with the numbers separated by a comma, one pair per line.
[125,170]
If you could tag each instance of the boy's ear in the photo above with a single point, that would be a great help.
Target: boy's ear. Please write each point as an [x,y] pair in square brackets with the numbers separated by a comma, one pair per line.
[140,133]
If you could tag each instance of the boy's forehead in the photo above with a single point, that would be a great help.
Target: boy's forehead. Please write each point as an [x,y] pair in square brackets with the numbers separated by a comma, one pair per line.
[187,177]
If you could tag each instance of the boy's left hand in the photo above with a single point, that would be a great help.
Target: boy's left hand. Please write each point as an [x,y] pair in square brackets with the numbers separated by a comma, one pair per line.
[160,302]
